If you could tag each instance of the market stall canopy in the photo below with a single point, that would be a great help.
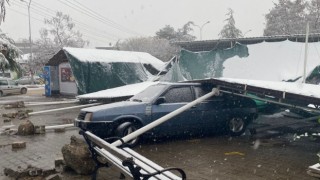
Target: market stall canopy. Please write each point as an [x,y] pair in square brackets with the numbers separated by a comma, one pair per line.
[269,61]
[97,69]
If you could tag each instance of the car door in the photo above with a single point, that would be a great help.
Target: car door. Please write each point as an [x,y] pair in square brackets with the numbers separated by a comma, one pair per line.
[175,98]
[4,86]
[211,112]
[14,88]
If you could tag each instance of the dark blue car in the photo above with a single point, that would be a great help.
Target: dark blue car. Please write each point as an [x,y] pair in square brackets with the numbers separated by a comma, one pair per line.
[223,112]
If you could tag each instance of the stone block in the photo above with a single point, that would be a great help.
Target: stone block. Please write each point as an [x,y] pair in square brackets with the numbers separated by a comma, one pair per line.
[19,144]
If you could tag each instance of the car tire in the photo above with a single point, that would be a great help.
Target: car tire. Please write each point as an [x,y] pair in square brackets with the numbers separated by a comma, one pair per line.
[236,125]
[127,128]
[1,93]
[23,91]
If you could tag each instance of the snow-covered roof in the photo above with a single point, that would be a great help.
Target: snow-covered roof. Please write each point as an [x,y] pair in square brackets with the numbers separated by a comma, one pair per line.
[122,91]
[110,56]
[291,87]
[273,61]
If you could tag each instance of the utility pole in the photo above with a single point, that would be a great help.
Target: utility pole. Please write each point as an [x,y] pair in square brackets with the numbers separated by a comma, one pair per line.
[30,42]
[201,27]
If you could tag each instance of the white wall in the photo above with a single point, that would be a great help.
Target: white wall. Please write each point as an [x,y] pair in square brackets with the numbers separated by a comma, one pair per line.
[66,87]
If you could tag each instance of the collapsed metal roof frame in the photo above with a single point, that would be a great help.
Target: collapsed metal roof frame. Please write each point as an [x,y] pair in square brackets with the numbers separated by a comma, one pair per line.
[208,45]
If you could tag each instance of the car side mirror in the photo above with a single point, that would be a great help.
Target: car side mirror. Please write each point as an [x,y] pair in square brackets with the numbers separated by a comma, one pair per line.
[160,100]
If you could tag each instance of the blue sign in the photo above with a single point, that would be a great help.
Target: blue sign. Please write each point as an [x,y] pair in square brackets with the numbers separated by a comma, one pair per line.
[47,82]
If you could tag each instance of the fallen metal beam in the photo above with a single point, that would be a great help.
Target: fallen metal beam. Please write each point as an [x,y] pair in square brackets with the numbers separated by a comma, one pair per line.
[63,109]
[49,103]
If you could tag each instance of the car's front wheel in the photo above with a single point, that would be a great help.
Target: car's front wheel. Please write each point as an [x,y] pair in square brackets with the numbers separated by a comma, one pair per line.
[23,91]
[236,126]
[127,128]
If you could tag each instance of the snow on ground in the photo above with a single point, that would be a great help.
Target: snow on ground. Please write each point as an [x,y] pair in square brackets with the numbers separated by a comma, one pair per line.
[110,56]
[127,90]
[292,87]
[273,61]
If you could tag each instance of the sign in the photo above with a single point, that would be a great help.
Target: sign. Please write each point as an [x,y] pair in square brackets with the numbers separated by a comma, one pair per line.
[47,82]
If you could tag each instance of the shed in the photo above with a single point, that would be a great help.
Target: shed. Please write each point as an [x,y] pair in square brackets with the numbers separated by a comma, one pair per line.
[80,71]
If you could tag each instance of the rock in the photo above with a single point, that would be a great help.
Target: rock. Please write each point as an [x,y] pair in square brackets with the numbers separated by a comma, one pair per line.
[26,128]
[77,156]
[19,144]
[10,115]
[23,114]
[17,104]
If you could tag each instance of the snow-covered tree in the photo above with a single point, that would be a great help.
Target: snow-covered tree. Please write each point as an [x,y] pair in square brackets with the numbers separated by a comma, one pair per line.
[182,34]
[3,9]
[9,54]
[314,16]
[160,48]
[286,17]
[60,32]
[230,30]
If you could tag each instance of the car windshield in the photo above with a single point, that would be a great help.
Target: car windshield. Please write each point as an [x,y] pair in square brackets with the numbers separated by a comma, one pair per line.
[148,94]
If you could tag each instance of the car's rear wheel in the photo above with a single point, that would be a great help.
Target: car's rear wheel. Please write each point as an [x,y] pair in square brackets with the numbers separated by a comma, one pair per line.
[127,128]
[23,91]
[236,125]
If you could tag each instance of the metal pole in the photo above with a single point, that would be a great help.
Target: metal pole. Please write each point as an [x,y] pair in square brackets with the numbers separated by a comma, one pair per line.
[62,109]
[30,44]
[306,54]
[165,118]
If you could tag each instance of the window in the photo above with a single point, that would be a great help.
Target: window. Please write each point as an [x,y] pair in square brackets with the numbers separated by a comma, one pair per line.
[12,83]
[176,95]
[3,82]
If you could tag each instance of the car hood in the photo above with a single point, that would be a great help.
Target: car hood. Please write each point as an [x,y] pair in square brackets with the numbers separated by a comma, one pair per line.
[109,112]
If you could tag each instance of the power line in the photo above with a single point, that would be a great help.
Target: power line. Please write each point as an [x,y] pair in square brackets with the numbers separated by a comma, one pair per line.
[84,26]
[84,34]
[85,8]
[103,33]
[107,22]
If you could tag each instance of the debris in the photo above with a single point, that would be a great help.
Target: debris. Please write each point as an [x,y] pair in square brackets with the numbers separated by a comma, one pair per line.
[10,115]
[59,161]
[19,144]
[26,128]
[60,130]
[7,120]
[314,170]
[17,104]
[234,153]
[54,177]
[77,156]
[40,129]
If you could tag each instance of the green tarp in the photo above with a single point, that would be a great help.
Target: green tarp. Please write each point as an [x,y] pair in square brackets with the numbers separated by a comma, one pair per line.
[95,76]
[201,65]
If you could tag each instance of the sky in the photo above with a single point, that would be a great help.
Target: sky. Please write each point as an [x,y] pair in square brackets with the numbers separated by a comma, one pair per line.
[104,22]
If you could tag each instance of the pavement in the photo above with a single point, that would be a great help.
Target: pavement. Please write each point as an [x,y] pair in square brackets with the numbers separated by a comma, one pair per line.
[283,148]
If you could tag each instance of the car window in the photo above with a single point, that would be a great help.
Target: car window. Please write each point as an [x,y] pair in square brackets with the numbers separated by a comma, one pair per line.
[201,91]
[148,94]
[11,82]
[176,95]
[3,82]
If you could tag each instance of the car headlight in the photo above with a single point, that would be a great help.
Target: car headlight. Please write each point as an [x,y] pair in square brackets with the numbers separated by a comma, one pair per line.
[88,117]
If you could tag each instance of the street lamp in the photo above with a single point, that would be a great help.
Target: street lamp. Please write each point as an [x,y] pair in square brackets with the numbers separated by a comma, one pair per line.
[201,27]
[30,40]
